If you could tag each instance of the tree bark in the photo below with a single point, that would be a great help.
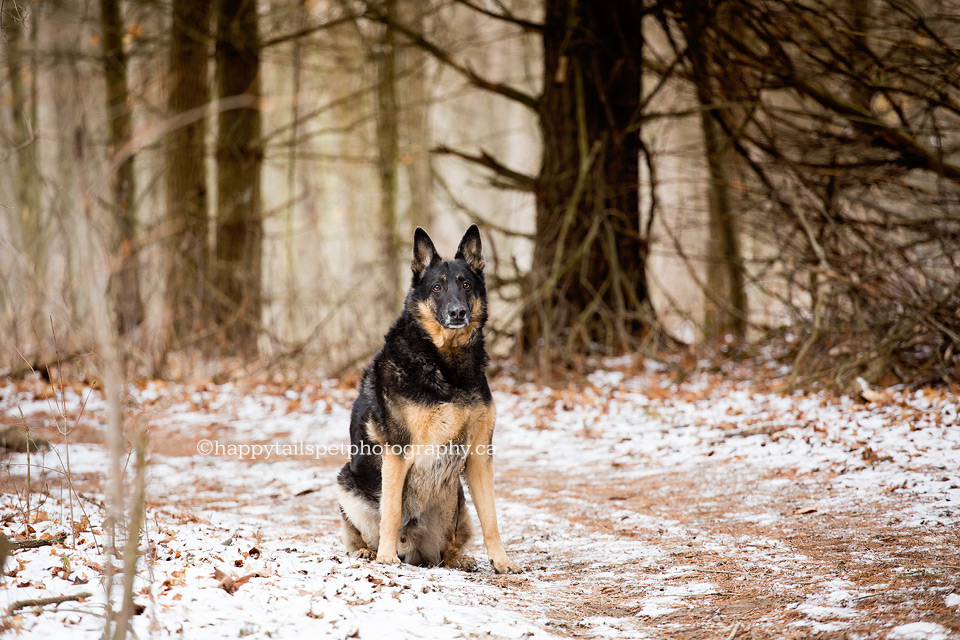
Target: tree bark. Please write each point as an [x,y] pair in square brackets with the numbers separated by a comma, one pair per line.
[588,282]
[124,281]
[725,309]
[186,172]
[388,147]
[415,126]
[24,111]
[289,218]
[239,159]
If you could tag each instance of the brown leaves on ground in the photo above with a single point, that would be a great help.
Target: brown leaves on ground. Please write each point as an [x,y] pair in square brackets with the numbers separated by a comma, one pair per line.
[230,583]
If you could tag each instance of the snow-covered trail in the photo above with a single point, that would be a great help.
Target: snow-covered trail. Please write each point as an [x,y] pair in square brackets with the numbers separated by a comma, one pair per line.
[639,509]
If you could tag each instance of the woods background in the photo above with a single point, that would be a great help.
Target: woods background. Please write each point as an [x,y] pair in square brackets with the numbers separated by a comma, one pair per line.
[199,188]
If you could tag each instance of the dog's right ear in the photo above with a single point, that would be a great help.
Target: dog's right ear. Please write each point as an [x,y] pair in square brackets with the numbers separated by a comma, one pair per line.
[424,253]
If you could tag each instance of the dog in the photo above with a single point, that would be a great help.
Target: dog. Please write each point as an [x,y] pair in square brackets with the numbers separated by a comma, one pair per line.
[424,416]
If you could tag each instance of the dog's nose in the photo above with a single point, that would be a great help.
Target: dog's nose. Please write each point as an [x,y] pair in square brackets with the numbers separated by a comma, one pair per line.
[458,314]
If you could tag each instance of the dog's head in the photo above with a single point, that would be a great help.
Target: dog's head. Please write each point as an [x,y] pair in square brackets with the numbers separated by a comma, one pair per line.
[448,296]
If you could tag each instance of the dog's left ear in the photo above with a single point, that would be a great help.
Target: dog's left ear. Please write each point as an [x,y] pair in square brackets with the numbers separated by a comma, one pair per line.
[469,249]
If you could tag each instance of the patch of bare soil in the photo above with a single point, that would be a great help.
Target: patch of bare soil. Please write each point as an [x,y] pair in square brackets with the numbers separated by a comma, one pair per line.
[762,575]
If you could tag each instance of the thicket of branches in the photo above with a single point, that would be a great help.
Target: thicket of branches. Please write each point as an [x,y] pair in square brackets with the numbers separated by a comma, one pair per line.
[827,164]
[842,120]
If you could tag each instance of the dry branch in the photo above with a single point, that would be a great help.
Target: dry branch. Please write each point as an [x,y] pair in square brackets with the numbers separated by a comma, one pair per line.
[374,13]
[526,25]
[520,180]
[33,543]
[307,31]
[42,602]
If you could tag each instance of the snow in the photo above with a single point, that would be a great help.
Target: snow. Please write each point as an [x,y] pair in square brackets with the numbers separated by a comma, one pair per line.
[919,631]
[637,506]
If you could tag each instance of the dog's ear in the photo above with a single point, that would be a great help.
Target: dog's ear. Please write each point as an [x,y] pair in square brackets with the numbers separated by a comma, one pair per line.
[469,249]
[424,253]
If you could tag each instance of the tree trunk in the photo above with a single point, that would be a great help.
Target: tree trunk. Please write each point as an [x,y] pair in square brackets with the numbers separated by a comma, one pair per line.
[124,282]
[388,154]
[239,158]
[725,306]
[415,126]
[24,143]
[588,281]
[186,172]
[292,303]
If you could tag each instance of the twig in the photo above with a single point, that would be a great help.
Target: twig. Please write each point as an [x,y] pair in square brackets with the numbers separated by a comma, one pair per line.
[306,31]
[758,431]
[526,25]
[732,573]
[40,602]
[445,58]
[33,543]
[95,503]
[519,180]
[475,216]
[736,630]
[66,429]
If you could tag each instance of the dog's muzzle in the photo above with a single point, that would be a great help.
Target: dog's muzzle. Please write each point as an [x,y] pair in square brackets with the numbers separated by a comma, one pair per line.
[457,317]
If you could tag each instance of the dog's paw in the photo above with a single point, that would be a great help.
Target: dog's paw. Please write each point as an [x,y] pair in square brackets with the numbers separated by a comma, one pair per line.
[364,554]
[461,562]
[388,559]
[506,566]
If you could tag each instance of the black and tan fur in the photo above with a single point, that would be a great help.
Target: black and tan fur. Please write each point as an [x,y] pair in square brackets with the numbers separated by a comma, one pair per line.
[426,387]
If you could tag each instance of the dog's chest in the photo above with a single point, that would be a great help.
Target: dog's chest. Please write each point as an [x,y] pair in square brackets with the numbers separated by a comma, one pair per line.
[443,423]
[436,466]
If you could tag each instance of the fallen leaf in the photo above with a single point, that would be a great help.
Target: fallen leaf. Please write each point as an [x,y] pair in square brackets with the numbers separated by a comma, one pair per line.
[226,581]
[81,526]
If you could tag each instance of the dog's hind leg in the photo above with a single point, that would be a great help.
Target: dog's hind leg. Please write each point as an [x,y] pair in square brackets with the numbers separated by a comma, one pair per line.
[353,541]
[460,534]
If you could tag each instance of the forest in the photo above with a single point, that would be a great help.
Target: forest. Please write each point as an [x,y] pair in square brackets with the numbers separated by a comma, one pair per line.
[722,242]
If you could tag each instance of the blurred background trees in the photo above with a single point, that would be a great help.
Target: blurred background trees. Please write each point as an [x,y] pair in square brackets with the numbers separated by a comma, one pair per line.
[732,173]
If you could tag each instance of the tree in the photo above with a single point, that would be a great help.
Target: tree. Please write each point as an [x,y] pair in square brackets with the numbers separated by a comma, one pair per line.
[848,134]
[589,265]
[239,157]
[414,104]
[124,281]
[186,171]
[726,300]
[23,92]
[388,155]
[588,282]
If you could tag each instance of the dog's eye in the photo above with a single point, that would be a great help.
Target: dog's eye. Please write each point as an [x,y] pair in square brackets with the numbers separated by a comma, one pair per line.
[466,285]
[437,287]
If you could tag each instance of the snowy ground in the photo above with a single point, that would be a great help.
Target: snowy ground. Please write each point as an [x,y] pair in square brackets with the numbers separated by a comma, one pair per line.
[640,508]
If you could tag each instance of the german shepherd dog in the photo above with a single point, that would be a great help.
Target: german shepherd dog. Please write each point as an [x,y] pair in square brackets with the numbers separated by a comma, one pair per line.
[425,415]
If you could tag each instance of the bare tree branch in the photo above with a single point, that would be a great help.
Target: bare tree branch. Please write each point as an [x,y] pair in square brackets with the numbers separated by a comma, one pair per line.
[519,180]
[375,14]
[306,31]
[897,138]
[526,25]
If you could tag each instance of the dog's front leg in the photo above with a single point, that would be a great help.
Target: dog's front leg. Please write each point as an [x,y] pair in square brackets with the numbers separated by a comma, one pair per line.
[392,476]
[480,481]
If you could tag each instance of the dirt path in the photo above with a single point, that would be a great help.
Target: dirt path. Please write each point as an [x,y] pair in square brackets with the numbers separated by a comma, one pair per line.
[698,512]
